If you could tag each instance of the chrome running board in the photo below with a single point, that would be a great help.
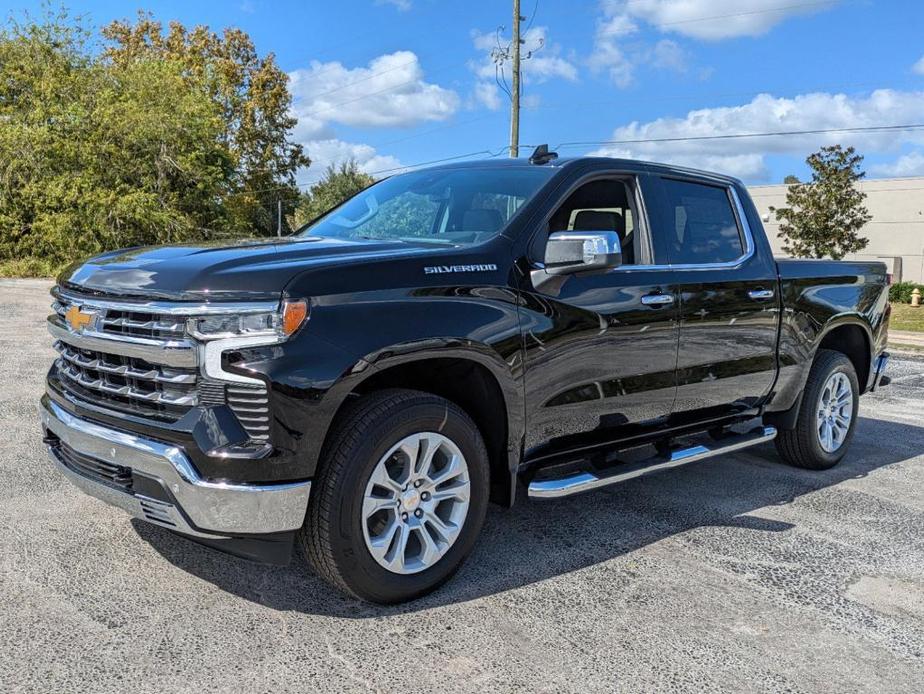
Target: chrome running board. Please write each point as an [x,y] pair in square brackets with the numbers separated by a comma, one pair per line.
[585,481]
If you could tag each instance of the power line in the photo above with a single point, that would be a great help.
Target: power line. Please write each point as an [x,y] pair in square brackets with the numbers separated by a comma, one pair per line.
[368,77]
[773,91]
[737,136]
[330,107]
[693,20]
[491,155]
[768,10]
[373,75]
[448,126]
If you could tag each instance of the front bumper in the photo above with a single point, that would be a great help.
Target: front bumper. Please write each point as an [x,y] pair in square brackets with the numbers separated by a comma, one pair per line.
[157,482]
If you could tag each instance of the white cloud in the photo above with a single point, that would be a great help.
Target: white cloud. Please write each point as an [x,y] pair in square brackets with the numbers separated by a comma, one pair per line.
[710,20]
[668,55]
[400,5]
[541,61]
[911,164]
[608,55]
[618,52]
[488,95]
[745,157]
[332,151]
[390,91]
[619,59]
[918,67]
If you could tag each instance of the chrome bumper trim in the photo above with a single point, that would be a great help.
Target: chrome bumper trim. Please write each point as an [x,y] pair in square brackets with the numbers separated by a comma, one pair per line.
[169,352]
[213,508]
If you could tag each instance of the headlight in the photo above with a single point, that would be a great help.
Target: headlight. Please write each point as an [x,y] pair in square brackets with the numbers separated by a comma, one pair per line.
[280,324]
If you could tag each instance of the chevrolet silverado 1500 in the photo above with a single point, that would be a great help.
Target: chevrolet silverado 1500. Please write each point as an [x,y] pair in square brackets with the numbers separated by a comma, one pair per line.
[447,337]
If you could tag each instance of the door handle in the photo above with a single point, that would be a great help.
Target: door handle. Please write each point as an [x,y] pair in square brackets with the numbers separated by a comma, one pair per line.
[657,299]
[761,294]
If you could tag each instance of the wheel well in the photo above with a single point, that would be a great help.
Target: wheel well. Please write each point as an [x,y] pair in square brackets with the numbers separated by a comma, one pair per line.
[473,388]
[851,341]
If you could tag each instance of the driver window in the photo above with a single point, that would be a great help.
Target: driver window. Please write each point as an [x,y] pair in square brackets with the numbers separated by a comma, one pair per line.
[602,205]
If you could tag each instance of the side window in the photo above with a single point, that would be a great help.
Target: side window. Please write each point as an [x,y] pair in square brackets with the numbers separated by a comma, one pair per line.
[603,205]
[705,228]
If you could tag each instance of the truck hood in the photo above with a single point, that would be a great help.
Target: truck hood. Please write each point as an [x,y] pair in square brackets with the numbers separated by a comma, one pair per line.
[251,270]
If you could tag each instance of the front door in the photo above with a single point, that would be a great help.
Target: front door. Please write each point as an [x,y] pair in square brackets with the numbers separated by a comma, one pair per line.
[600,349]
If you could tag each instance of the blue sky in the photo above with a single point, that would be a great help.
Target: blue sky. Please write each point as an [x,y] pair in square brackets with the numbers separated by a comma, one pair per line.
[399,82]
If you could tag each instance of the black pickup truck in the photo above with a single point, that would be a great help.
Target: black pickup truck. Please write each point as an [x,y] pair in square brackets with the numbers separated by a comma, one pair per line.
[447,337]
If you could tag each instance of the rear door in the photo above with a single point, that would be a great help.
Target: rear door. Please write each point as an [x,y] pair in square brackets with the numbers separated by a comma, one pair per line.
[727,285]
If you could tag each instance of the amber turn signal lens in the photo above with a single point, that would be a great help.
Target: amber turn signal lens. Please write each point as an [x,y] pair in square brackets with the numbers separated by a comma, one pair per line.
[294,314]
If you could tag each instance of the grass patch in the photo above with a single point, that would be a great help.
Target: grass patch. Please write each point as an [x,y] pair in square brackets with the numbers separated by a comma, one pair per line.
[906,317]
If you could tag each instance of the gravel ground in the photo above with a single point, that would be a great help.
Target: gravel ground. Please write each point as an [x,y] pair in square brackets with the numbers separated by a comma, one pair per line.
[733,574]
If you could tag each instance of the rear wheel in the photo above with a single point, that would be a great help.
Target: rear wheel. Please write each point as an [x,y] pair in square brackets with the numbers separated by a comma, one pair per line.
[827,416]
[400,497]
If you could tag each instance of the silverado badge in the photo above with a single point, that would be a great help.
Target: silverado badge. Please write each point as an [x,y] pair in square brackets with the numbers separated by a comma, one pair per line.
[79,320]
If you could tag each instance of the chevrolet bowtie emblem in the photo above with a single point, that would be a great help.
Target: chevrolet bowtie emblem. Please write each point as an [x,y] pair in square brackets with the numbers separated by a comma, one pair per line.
[80,320]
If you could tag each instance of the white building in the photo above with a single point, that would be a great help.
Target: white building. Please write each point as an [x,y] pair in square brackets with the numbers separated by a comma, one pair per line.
[896,232]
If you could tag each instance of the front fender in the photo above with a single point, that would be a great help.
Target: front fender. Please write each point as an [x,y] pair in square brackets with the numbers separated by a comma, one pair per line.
[350,338]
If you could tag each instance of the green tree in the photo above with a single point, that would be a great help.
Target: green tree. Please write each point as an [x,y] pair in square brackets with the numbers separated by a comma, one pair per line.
[96,157]
[252,95]
[98,152]
[337,184]
[823,216]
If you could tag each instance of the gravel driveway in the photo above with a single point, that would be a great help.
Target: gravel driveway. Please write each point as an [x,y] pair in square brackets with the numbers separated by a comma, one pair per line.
[733,574]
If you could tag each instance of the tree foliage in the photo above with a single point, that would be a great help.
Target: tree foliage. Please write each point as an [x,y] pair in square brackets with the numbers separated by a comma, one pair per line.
[823,216]
[337,184]
[252,95]
[103,151]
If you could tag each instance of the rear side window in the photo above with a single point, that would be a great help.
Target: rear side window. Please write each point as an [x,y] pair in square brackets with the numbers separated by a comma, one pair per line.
[704,229]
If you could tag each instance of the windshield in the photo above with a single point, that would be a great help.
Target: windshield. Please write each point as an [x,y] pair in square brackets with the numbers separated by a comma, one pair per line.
[448,206]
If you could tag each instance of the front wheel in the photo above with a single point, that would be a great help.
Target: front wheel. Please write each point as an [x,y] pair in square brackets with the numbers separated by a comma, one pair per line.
[827,416]
[400,497]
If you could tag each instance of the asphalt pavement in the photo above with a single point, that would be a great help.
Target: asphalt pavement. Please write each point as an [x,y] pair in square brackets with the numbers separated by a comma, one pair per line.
[734,574]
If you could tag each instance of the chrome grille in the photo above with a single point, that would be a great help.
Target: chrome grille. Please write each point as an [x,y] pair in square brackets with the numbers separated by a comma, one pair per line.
[251,405]
[139,358]
[128,383]
[135,323]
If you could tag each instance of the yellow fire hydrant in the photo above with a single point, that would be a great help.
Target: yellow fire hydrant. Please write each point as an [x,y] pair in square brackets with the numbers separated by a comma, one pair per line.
[916,297]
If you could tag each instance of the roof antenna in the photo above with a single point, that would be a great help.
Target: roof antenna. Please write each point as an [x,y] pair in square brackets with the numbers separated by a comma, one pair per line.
[542,155]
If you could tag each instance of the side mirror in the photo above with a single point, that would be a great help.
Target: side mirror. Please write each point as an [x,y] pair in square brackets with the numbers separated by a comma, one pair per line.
[568,252]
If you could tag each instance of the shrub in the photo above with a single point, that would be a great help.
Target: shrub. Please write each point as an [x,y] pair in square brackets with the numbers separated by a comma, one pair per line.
[901,291]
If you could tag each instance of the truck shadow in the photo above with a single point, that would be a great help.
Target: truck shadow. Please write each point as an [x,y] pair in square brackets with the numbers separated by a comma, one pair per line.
[535,541]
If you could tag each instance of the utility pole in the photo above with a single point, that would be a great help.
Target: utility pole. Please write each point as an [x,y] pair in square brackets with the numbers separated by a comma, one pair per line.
[515,96]
[279,218]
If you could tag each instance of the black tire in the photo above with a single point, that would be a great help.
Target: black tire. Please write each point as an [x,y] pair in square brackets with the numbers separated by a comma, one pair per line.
[332,536]
[800,446]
